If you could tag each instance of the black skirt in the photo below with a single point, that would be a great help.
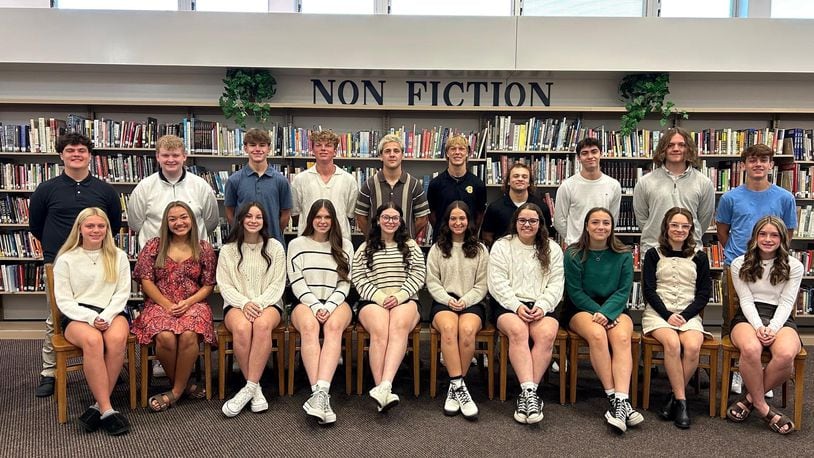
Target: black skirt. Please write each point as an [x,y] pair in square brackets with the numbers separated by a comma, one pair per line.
[766,313]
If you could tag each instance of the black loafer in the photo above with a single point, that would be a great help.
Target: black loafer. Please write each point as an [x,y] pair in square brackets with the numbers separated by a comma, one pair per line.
[90,419]
[116,424]
[46,387]
[668,411]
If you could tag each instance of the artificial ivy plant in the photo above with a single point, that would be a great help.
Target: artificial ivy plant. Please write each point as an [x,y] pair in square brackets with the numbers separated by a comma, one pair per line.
[645,93]
[246,92]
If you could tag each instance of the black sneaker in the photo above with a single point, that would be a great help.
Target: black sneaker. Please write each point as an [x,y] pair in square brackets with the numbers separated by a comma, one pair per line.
[534,407]
[520,412]
[632,417]
[46,387]
[617,417]
[115,424]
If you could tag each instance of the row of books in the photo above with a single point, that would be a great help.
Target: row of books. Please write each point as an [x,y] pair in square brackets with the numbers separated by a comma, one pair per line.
[805,221]
[805,302]
[26,176]
[20,244]
[126,168]
[13,210]
[16,278]
[552,170]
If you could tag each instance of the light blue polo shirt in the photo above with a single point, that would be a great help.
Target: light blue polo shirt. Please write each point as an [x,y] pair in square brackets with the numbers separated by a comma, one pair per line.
[271,189]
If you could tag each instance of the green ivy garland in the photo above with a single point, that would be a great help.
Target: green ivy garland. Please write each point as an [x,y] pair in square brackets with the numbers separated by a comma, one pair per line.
[245,93]
[645,93]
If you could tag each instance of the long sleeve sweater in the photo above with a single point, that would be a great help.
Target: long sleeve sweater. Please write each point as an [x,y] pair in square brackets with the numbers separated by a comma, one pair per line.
[783,294]
[77,280]
[389,275]
[254,280]
[599,286]
[312,273]
[515,275]
[457,274]
[703,285]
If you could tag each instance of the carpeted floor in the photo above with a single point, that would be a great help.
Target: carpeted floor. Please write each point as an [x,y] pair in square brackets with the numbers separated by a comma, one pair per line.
[417,427]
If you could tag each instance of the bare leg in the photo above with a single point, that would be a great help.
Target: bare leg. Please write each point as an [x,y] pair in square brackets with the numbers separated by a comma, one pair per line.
[597,339]
[517,331]
[115,346]
[90,340]
[543,332]
[306,323]
[332,341]
[671,342]
[621,359]
[403,319]
[187,354]
[261,343]
[166,350]
[241,330]
[376,321]
[446,323]
[691,342]
[468,326]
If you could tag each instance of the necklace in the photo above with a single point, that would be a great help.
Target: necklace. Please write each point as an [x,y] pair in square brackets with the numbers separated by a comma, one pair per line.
[92,259]
[598,257]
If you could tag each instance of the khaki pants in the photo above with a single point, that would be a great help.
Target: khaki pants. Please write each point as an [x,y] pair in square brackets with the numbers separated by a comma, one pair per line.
[49,360]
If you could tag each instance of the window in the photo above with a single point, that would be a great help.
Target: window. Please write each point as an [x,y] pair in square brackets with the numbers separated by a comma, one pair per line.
[25,3]
[165,5]
[696,8]
[337,7]
[241,6]
[451,7]
[792,9]
[616,8]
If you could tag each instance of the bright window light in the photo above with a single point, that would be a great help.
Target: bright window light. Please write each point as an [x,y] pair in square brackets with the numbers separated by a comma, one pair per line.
[696,8]
[451,7]
[337,6]
[793,9]
[607,8]
[163,5]
[235,6]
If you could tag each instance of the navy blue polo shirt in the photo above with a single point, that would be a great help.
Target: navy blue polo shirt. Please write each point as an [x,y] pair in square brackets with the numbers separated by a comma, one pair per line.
[57,202]
[445,189]
[499,215]
[271,189]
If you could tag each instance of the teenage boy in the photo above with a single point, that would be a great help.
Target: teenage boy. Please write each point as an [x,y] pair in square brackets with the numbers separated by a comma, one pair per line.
[391,183]
[324,180]
[256,181]
[585,190]
[456,183]
[53,210]
[739,210]
[674,182]
[171,182]
[518,188]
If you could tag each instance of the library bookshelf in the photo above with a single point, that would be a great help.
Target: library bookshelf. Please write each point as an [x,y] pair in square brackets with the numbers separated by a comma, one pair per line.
[544,137]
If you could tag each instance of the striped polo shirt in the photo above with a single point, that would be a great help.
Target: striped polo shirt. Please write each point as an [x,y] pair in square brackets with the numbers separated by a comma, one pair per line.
[408,193]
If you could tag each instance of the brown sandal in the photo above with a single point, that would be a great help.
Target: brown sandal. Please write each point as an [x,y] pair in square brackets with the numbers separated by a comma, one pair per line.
[782,422]
[739,410]
[158,404]
[195,391]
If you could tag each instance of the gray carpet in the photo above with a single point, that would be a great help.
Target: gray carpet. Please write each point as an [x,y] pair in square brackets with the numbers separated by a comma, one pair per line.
[28,426]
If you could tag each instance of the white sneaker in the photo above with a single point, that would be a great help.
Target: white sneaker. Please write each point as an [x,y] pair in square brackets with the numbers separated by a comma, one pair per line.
[485,361]
[451,406]
[737,383]
[330,416]
[158,369]
[314,405]
[770,394]
[259,403]
[555,368]
[468,408]
[384,398]
[234,406]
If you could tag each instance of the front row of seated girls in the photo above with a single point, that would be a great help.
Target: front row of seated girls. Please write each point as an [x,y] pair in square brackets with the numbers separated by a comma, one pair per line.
[526,273]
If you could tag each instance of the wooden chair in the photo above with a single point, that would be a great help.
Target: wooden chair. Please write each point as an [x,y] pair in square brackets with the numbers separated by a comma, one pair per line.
[732,355]
[709,349]
[65,351]
[226,351]
[363,345]
[147,353]
[576,343]
[484,338]
[347,347]
[558,355]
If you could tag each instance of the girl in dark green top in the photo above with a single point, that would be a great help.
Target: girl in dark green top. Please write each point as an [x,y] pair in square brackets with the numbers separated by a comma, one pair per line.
[598,276]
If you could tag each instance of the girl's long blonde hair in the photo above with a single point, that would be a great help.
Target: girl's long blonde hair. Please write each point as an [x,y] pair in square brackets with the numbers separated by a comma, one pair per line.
[109,252]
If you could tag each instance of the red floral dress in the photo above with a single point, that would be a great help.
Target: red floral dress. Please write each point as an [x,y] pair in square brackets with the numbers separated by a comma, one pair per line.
[176,281]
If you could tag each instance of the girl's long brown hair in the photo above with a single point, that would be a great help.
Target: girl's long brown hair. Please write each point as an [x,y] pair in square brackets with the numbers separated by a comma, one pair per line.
[751,270]
[334,236]
[582,245]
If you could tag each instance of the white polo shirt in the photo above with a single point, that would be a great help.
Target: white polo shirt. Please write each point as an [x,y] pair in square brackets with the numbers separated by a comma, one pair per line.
[307,186]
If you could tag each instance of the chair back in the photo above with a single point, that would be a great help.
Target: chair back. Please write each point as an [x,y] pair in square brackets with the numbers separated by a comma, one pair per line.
[56,315]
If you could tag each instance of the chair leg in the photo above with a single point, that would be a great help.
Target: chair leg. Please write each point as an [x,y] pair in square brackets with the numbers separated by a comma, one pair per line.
[799,384]
[292,351]
[648,363]
[144,352]
[573,361]
[562,361]
[208,370]
[634,392]
[416,364]
[348,362]
[132,381]
[433,364]
[62,387]
[360,362]
[726,374]
[490,370]
[504,365]
[222,369]
[280,342]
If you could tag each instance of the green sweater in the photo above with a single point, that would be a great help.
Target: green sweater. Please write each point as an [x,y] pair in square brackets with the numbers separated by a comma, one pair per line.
[599,286]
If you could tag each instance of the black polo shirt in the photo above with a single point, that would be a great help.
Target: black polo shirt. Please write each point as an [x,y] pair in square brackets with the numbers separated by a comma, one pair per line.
[499,215]
[57,202]
[445,189]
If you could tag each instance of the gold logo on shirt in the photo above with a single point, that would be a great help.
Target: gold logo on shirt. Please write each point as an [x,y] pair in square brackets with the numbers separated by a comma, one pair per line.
[469,189]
